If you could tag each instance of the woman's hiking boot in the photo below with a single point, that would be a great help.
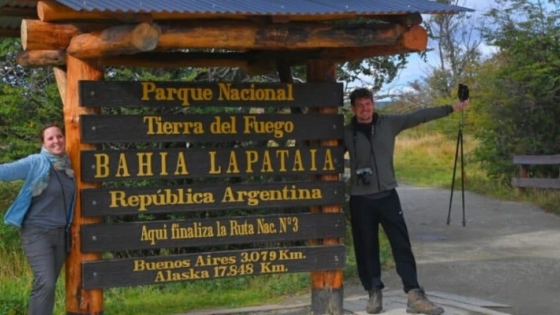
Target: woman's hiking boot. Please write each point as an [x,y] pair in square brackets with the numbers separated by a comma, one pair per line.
[375,302]
[418,303]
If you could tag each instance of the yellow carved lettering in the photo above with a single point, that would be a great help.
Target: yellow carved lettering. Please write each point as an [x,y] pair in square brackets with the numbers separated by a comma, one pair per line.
[122,169]
[181,168]
[101,165]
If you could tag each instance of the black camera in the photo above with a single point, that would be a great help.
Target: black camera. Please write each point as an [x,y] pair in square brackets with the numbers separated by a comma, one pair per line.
[463,92]
[364,174]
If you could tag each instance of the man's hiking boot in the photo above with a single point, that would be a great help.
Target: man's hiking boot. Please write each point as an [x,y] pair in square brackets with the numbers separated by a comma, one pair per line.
[418,303]
[375,302]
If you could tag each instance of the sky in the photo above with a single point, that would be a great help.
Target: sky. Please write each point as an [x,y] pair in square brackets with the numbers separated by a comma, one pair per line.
[417,68]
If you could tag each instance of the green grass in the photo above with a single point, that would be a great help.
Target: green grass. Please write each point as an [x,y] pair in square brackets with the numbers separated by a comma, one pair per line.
[427,160]
[185,296]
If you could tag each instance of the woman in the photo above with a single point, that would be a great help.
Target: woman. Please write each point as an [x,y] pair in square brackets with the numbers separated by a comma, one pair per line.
[43,210]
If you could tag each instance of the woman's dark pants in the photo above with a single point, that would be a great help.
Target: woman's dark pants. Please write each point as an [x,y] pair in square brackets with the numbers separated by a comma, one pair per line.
[45,250]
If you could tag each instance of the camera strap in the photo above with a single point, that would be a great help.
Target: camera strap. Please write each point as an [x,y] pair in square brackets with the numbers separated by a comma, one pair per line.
[360,127]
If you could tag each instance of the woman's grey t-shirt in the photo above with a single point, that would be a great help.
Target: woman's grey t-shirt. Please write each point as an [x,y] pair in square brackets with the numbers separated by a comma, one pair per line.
[51,208]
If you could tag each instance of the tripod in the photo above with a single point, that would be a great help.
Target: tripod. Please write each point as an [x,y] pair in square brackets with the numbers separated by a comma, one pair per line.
[458,146]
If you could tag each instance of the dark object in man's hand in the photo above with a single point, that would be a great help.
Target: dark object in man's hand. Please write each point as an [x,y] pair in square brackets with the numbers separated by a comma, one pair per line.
[463,92]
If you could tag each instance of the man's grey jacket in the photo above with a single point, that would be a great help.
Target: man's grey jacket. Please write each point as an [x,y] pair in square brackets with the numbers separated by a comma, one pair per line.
[376,153]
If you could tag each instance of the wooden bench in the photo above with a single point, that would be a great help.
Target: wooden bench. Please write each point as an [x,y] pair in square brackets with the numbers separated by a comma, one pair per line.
[525,182]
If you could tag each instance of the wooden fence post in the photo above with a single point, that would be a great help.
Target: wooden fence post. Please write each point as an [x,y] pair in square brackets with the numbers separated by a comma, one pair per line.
[523,173]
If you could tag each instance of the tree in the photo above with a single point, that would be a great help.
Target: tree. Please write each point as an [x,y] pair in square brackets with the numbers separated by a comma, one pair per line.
[518,109]
[29,99]
[456,41]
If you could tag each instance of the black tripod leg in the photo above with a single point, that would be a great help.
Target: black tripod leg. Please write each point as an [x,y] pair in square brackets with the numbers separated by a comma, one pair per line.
[463,179]
[459,136]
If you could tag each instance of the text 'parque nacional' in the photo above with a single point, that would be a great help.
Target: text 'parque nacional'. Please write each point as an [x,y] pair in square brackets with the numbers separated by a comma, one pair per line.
[172,93]
[151,91]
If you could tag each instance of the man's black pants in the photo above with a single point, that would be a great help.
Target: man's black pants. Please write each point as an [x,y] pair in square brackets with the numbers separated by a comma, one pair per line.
[366,215]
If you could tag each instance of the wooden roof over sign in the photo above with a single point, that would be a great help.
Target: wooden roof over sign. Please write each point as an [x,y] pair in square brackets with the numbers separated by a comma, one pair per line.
[253,34]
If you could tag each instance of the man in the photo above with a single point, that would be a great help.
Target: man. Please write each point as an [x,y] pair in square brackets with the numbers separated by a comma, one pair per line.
[370,141]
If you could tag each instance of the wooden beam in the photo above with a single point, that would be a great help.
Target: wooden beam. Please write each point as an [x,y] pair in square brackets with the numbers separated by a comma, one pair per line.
[413,40]
[78,300]
[41,58]
[37,35]
[244,60]
[61,81]
[259,62]
[246,35]
[118,40]
[537,159]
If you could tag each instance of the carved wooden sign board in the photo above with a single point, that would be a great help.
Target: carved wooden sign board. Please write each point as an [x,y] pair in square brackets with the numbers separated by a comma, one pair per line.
[189,198]
[265,149]
[195,163]
[209,232]
[214,265]
[201,127]
[188,94]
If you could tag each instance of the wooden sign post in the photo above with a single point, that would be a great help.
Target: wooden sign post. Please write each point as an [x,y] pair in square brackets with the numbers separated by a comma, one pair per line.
[326,285]
[263,151]
[78,299]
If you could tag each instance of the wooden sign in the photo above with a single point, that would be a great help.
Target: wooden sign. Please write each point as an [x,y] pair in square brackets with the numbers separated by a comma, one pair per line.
[211,265]
[159,93]
[210,232]
[188,163]
[195,128]
[188,198]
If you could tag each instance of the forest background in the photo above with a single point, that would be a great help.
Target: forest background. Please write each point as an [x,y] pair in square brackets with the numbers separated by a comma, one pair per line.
[514,110]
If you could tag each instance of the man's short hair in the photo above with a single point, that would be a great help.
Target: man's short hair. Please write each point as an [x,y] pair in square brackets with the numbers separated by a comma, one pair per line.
[360,93]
